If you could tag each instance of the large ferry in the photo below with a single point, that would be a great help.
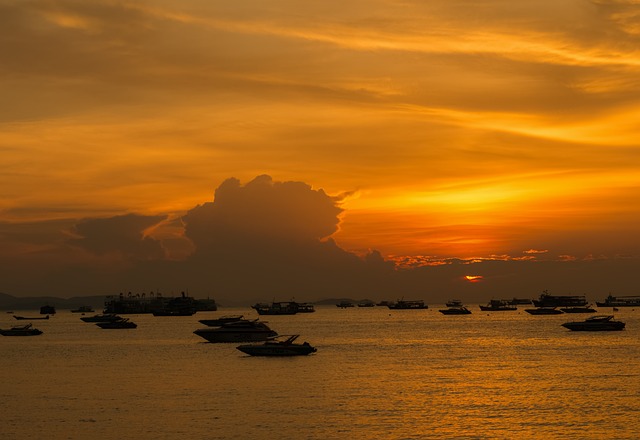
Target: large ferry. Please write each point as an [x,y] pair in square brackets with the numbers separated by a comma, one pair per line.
[155,303]
[620,301]
[547,300]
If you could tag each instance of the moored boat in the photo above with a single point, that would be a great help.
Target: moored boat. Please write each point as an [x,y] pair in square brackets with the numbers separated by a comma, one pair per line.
[238,331]
[620,301]
[21,330]
[120,324]
[278,347]
[455,310]
[217,322]
[105,317]
[276,308]
[47,310]
[498,305]
[402,304]
[596,323]
[547,300]
[544,311]
[23,318]
[345,304]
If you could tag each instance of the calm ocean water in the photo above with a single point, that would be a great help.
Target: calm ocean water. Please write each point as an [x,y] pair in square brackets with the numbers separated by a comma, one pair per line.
[378,374]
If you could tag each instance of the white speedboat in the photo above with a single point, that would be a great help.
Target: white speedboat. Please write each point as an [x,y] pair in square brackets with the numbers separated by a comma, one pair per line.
[282,346]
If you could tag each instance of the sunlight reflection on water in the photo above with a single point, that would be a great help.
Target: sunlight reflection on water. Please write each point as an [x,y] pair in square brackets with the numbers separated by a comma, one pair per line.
[377,375]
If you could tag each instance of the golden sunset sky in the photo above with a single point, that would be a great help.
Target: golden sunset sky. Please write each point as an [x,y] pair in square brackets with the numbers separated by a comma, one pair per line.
[447,129]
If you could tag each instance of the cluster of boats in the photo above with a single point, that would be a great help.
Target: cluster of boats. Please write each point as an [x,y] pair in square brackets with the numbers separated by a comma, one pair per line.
[235,328]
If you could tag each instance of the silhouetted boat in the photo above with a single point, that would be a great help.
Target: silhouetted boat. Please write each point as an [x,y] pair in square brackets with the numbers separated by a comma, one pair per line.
[547,300]
[83,309]
[455,310]
[119,324]
[22,318]
[585,309]
[276,347]
[408,305]
[237,331]
[217,322]
[276,308]
[366,304]
[345,304]
[306,308]
[454,303]
[498,305]
[620,301]
[107,317]
[519,301]
[47,310]
[21,330]
[544,311]
[595,324]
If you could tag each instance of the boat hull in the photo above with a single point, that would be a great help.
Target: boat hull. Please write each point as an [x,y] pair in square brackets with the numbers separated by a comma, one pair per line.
[581,326]
[215,336]
[262,350]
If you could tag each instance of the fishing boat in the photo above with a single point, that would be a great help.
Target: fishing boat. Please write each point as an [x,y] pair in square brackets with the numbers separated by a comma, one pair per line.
[620,301]
[595,324]
[238,331]
[21,330]
[47,310]
[279,346]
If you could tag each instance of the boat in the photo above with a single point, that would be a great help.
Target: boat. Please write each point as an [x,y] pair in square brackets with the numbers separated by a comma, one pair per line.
[276,308]
[47,310]
[581,309]
[221,320]
[408,305]
[121,323]
[154,302]
[455,310]
[544,311]
[520,301]
[596,323]
[454,303]
[366,304]
[83,309]
[278,346]
[238,331]
[547,300]
[22,318]
[345,304]
[620,301]
[498,305]
[21,330]
[306,308]
[106,317]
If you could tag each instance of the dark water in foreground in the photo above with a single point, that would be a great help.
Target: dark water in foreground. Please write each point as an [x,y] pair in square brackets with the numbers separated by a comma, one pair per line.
[378,374]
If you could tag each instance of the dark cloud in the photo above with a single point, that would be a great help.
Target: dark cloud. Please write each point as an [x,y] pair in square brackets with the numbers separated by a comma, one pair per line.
[124,234]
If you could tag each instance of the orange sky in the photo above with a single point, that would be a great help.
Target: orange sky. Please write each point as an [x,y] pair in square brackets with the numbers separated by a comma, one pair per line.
[451,129]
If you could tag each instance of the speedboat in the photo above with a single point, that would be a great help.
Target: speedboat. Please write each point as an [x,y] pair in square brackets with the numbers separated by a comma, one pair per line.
[242,330]
[107,317]
[221,320]
[21,330]
[283,346]
[121,323]
[596,323]
[544,311]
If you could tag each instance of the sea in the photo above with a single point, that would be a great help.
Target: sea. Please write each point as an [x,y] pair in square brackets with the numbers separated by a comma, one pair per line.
[377,374]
